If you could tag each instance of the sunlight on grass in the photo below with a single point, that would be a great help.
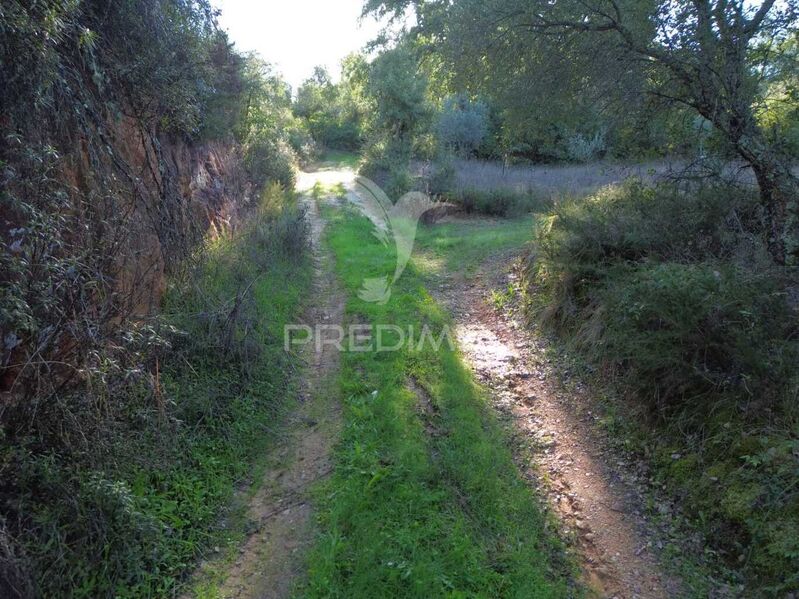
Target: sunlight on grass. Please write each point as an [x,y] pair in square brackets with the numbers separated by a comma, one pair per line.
[337,159]
[429,264]
[461,246]
[425,500]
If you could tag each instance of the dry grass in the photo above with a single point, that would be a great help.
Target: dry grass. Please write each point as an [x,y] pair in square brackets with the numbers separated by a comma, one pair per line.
[571,179]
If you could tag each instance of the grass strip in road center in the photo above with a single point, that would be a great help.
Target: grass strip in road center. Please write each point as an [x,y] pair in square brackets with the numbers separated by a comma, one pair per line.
[425,500]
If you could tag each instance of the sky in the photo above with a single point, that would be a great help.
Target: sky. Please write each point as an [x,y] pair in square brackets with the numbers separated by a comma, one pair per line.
[296,35]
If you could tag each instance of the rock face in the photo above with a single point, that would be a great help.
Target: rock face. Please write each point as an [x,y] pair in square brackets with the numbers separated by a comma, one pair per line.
[144,199]
[187,191]
[181,192]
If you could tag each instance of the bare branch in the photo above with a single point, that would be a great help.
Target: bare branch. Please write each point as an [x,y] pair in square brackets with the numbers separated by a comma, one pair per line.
[751,26]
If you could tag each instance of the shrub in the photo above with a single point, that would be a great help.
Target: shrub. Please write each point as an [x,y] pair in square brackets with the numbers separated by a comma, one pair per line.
[442,180]
[269,159]
[399,183]
[222,320]
[126,492]
[584,148]
[684,332]
[462,124]
[386,164]
[303,144]
[498,202]
[632,222]
[669,293]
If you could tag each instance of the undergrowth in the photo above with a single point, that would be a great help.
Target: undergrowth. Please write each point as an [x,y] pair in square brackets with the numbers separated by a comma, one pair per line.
[669,293]
[497,202]
[127,512]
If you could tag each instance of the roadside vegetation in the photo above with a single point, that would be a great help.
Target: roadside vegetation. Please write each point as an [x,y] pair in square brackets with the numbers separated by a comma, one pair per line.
[128,511]
[152,248]
[151,251]
[672,300]
[674,289]
[425,499]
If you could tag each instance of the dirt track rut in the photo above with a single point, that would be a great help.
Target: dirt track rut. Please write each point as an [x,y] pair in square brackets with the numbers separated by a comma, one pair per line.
[588,487]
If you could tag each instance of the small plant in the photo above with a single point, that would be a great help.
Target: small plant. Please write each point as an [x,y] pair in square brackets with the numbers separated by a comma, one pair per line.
[399,182]
[340,191]
[585,148]
[500,299]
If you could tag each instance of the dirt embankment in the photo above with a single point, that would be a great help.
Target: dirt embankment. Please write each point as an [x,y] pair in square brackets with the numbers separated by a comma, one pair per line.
[124,214]
[180,191]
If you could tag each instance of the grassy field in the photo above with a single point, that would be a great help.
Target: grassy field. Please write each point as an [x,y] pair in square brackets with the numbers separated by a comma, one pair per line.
[549,180]
[425,500]
[340,159]
[462,246]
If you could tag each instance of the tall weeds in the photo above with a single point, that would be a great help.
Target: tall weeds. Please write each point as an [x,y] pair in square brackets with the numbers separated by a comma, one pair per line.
[127,511]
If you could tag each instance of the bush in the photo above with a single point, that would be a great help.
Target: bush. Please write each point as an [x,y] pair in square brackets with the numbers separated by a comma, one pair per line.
[462,124]
[386,164]
[269,159]
[128,510]
[221,322]
[303,144]
[399,183]
[686,332]
[442,180]
[637,242]
[583,148]
[497,202]
[670,295]
[633,222]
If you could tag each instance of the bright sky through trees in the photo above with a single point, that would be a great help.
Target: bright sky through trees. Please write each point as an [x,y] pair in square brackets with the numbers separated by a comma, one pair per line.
[296,35]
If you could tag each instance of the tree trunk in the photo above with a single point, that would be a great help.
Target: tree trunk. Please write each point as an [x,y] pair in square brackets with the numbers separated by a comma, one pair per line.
[779,193]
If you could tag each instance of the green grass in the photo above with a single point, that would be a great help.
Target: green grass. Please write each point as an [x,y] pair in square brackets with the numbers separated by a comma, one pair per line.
[425,500]
[340,159]
[461,247]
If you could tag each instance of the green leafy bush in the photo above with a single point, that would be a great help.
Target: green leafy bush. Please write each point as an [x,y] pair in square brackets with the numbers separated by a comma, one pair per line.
[585,148]
[580,240]
[462,124]
[497,202]
[686,332]
[125,513]
[268,159]
[670,295]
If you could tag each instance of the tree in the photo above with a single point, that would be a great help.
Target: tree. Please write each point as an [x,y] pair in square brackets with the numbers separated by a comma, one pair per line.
[462,124]
[703,54]
[399,92]
[335,112]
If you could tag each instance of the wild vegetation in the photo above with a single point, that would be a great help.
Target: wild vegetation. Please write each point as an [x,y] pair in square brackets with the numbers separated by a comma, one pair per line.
[144,263]
[674,300]
[152,248]
[425,499]
[677,296]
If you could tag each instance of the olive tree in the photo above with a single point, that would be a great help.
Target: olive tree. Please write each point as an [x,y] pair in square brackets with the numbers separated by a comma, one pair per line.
[462,124]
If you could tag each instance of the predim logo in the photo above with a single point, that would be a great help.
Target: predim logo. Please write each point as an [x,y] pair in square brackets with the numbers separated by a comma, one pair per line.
[394,224]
